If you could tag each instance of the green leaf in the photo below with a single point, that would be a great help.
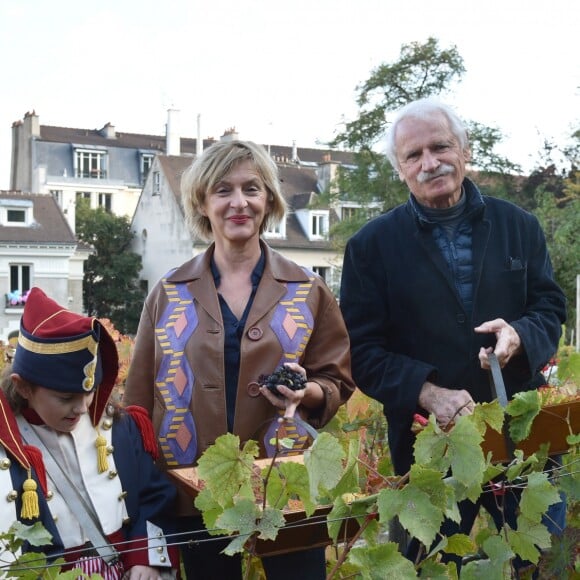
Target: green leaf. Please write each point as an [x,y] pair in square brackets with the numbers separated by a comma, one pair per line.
[349,482]
[491,414]
[523,408]
[270,523]
[382,561]
[324,463]
[210,509]
[467,461]
[430,447]
[497,566]
[224,467]
[437,570]
[241,517]
[537,497]
[460,545]
[35,535]
[526,540]
[415,511]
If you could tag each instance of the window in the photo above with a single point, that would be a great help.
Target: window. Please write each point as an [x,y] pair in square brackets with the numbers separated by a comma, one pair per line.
[20,284]
[349,213]
[319,225]
[57,194]
[146,163]
[17,216]
[276,230]
[105,201]
[90,164]
[322,271]
[156,183]
[16,212]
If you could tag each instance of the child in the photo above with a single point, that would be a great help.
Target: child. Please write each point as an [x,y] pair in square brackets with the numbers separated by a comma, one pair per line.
[109,502]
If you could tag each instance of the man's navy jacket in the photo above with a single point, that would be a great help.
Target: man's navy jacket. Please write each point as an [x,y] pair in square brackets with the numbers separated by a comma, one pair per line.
[406,320]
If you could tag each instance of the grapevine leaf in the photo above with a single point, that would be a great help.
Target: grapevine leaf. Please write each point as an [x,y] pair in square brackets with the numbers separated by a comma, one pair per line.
[349,482]
[224,467]
[438,570]
[491,414]
[460,545]
[570,481]
[523,408]
[324,463]
[277,494]
[415,511]
[538,495]
[525,539]
[430,482]
[241,518]
[430,446]
[342,510]
[296,480]
[382,561]
[467,461]
[209,507]
[35,535]
[499,554]
[270,523]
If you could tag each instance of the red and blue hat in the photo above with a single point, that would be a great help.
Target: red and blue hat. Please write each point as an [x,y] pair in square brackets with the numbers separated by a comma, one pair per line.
[64,351]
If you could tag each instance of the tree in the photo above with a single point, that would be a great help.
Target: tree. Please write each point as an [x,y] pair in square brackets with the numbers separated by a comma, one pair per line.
[111,284]
[422,70]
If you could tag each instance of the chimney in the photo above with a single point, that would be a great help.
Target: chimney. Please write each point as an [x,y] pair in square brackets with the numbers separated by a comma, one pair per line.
[108,131]
[199,142]
[172,137]
[295,158]
[230,135]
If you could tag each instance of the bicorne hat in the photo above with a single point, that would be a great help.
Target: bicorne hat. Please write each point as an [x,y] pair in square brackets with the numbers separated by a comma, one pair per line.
[64,351]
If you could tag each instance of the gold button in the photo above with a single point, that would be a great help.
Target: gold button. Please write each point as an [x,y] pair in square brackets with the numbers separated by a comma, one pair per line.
[5,463]
[159,534]
[122,495]
[163,559]
[110,410]
[107,424]
[112,474]
[126,521]
[55,518]
[160,550]
[12,495]
[110,449]
[49,495]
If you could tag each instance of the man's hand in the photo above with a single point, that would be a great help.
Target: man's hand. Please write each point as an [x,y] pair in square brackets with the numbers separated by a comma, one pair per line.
[445,404]
[508,342]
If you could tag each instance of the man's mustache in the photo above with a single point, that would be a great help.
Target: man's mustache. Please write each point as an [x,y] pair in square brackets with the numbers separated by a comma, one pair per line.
[443,169]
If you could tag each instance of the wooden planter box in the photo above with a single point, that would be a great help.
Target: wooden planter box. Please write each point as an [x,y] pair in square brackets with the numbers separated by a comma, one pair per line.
[299,533]
[550,426]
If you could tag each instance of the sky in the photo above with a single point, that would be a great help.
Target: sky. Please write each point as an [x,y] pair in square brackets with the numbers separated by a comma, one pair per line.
[280,71]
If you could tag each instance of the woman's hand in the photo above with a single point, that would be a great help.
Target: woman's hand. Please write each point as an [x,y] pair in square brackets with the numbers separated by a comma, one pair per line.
[290,399]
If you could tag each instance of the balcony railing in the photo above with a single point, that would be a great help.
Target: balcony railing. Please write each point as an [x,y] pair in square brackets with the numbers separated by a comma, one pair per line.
[92,174]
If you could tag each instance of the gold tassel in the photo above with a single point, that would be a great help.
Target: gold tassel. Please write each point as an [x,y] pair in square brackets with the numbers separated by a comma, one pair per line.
[101,445]
[30,509]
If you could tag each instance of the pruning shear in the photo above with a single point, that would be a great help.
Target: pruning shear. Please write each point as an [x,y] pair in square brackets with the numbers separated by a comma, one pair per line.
[499,393]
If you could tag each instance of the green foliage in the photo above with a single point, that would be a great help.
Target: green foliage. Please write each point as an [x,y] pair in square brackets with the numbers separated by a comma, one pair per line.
[449,467]
[111,283]
[32,565]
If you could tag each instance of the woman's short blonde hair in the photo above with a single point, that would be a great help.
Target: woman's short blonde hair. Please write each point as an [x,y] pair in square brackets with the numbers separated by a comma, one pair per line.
[199,179]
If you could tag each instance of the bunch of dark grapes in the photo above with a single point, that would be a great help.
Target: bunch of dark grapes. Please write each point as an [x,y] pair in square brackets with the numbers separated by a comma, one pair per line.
[283,376]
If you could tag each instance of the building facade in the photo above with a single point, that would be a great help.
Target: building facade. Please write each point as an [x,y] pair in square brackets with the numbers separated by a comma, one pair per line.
[37,248]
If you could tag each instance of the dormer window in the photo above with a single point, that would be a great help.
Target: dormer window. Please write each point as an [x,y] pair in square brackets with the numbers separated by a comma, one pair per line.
[90,164]
[16,212]
[156,183]
[318,225]
[276,231]
[146,161]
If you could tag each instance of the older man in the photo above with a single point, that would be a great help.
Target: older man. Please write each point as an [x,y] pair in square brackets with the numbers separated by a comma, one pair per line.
[433,286]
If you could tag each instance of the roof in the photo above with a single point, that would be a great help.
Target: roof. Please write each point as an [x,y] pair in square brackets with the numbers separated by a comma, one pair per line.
[97,137]
[49,227]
